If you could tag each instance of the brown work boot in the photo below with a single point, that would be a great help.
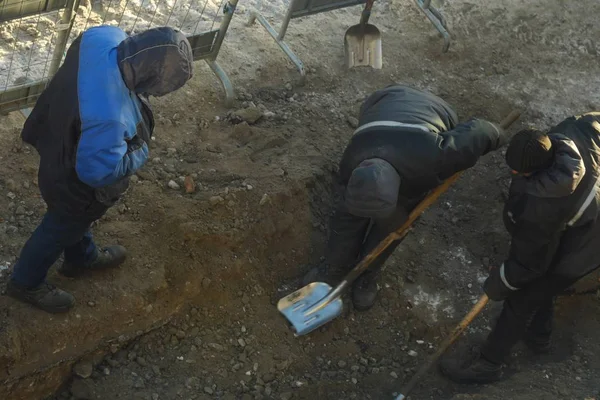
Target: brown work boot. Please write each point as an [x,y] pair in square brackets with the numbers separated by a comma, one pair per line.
[108,257]
[474,369]
[45,297]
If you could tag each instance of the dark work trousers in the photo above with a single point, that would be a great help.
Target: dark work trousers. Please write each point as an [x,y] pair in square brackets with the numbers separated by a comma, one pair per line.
[351,238]
[529,308]
[55,234]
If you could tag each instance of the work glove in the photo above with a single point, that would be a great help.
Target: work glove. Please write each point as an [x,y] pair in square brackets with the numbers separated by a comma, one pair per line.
[493,286]
[504,135]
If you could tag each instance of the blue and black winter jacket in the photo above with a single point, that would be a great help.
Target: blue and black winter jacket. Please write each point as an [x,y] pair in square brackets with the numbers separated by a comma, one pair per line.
[92,124]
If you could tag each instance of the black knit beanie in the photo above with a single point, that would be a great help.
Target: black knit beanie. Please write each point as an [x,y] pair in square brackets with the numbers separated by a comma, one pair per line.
[529,150]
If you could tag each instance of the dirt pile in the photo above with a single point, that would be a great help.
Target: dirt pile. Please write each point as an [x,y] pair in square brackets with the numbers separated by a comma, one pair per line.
[179,252]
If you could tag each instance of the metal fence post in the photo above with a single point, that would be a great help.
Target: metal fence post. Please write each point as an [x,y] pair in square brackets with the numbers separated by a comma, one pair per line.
[64,30]
[286,21]
[436,19]
[228,10]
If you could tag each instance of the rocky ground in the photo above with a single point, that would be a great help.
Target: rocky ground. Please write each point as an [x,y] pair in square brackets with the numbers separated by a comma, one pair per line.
[233,206]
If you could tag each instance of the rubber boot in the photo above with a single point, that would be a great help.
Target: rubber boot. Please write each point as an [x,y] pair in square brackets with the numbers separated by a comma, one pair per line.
[108,257]
[322,273]
[365,290]
[476,369]
[46,297]
[539,344]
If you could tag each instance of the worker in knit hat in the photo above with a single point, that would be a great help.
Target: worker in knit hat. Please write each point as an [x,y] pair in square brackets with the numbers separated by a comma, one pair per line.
[530,150]
[408,142]
[552,214]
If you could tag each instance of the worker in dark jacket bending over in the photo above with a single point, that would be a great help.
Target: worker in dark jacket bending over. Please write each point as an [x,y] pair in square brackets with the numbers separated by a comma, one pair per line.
[552,216]
[407,143]
[91,127]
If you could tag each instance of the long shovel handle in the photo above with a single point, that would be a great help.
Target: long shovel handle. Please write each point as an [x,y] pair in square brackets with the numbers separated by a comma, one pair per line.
[401,232]
[366,14]
[364,19]
[458,330]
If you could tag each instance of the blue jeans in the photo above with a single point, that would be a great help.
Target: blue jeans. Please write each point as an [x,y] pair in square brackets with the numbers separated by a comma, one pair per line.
[55,234]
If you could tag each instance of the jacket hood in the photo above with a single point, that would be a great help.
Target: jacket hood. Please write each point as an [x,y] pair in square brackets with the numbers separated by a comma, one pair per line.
[155,62]
[372,191]
[563,177]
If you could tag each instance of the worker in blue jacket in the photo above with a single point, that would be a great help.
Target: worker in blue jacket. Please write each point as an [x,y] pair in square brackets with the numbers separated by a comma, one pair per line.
[91,127]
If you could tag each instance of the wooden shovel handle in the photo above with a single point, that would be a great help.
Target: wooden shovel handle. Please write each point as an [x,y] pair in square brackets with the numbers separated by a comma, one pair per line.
[456,332]
[369,5]
[460,328]
[510,119]
[366,13]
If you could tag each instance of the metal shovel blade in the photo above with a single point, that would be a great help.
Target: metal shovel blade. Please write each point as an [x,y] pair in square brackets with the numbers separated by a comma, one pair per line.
[296,307]
[363,47]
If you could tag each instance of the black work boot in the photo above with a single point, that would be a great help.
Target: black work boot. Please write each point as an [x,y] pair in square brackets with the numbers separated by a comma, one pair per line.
[108,257]
[46,297]
[539,344]
[321,273]
[364,290]
[475,369]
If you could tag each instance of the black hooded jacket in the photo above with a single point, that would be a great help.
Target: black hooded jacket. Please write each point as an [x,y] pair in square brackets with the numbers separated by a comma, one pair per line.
[552,215]
[91,125]
[419,134]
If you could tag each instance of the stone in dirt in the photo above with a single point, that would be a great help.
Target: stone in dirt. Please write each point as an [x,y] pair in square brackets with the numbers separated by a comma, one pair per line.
[264,199]
[242,133]
[251,115]
[83,369]
[81,389]
[352,121]
[10,185]
[214,200]
[173,185]
[189,184]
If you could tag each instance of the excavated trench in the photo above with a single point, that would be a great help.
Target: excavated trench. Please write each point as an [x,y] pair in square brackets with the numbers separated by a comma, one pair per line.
[182,249]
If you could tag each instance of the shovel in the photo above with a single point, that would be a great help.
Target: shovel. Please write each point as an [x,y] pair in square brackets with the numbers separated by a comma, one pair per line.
[362,42]
[317,303]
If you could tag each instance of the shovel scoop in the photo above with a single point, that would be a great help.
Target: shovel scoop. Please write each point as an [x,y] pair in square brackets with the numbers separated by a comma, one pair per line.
[306,308]
[362,42]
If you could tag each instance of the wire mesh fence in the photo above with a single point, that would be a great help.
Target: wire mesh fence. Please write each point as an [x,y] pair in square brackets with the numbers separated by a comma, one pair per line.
[34,34]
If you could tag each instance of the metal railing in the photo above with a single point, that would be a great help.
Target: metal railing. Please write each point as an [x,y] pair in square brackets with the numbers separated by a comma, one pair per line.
[303,8]
[34,35]
[437,19]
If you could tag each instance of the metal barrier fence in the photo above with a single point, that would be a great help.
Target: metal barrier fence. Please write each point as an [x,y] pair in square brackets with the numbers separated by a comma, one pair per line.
[34,35]
[303,8]
[437,19]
